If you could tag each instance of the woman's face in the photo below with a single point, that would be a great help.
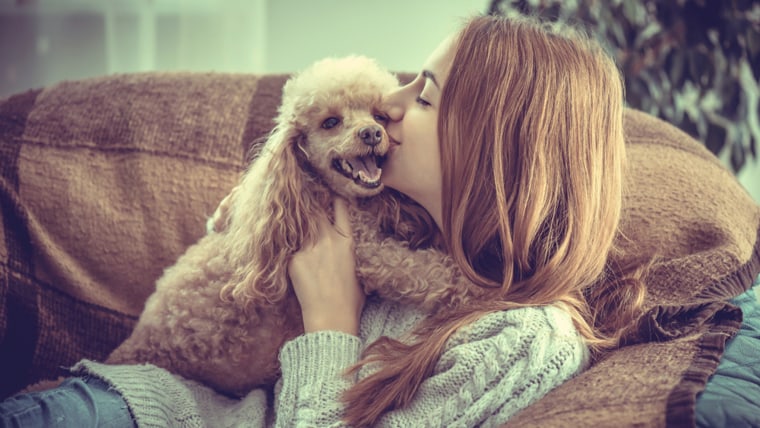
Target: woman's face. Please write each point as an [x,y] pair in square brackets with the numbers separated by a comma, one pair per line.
[413,165]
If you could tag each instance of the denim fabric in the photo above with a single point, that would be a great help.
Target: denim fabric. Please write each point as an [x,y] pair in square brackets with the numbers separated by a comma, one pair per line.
[732,395]
[76,403]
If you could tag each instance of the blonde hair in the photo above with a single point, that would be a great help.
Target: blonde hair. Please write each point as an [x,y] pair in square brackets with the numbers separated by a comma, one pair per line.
[532,154]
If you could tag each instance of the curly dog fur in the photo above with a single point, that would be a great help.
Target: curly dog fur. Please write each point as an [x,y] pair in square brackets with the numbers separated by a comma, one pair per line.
[222,312]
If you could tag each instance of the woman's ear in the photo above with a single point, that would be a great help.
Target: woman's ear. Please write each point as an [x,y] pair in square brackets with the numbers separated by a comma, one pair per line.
[273,215]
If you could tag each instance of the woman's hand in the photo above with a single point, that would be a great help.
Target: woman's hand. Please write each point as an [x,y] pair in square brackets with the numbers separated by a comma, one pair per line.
[324,277]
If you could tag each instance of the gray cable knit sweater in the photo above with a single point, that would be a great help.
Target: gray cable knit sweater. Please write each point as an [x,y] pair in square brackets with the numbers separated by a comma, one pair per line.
[490,370]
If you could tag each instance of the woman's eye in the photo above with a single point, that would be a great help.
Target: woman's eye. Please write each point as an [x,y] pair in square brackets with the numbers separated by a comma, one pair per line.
[422,102]
[330,122]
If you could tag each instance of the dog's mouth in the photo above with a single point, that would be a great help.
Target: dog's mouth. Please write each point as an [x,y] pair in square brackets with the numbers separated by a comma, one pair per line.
[363,170]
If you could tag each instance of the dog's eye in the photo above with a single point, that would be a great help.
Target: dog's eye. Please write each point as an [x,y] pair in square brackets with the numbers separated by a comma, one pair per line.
[330,122]
[380,118]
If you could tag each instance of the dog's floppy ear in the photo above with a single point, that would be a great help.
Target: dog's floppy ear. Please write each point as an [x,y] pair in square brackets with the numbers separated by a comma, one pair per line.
[272,215]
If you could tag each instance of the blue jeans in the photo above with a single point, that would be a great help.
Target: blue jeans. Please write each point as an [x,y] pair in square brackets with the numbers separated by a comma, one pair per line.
[76,403]
[731,397]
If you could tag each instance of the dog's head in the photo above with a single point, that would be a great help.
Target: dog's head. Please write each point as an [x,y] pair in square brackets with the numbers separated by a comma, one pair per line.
[329,130]
[333,111]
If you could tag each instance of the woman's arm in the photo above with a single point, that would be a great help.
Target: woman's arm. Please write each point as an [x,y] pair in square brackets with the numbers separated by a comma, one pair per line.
[324,279]
[313,378]
[499,365]
[490,370]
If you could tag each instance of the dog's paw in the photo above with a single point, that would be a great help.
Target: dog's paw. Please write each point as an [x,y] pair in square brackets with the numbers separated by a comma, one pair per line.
[211,225]
[217,223]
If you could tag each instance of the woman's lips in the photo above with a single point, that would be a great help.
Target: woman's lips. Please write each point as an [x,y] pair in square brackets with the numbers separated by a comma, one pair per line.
[392,149]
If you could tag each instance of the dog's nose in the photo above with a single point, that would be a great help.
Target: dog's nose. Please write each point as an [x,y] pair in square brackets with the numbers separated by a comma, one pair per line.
[371,135]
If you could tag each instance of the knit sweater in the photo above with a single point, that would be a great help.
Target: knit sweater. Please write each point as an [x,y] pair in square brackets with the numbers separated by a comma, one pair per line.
[488,371]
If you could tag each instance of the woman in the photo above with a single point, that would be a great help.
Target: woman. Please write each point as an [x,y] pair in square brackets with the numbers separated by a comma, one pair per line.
[511,139]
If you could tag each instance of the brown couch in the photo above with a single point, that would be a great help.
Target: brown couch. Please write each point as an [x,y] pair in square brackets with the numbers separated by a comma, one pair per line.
[105,181]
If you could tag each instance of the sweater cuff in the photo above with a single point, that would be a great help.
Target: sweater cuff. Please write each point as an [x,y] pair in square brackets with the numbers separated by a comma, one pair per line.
[319,356]
[153,395]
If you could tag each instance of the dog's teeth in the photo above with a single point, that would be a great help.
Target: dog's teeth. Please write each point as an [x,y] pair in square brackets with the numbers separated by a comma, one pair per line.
[346,165]
[363,177]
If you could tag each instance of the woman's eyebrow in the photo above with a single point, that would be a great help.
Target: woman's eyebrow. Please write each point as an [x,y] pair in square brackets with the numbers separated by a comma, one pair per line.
[429,75]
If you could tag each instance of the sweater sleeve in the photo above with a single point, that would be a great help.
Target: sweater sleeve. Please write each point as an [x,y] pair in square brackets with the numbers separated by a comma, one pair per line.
[313,378]
[495,367]
[490,370]
[158,399]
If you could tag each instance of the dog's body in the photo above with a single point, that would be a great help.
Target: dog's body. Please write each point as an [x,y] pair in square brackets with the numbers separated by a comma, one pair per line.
[222,312]
[187,328]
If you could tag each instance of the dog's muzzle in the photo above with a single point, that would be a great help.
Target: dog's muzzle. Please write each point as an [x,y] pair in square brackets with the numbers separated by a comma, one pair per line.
[363,170]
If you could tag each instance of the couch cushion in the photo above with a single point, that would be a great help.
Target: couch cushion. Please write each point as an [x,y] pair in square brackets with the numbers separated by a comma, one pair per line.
[105,182]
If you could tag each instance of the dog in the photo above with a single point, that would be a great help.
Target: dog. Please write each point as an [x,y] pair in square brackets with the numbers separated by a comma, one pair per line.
[221,313]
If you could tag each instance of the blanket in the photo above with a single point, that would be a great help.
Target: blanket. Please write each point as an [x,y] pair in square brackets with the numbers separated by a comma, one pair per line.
[104,182]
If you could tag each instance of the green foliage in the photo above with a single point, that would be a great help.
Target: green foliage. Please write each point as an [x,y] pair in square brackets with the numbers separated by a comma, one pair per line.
[693,63]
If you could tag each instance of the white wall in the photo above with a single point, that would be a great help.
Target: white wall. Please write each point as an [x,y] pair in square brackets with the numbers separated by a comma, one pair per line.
[399,33]
[46,41]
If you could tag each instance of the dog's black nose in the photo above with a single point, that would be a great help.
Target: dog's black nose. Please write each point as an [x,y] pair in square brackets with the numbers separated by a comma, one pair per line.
[371,135]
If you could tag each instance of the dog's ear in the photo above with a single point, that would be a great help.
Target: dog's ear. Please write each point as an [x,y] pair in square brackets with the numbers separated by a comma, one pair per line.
[273,214]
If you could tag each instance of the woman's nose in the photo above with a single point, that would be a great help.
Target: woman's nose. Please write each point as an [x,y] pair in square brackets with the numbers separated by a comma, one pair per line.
[392,105]
[395,113]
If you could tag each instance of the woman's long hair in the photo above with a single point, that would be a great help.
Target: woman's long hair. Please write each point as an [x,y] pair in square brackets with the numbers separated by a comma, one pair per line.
[532,153]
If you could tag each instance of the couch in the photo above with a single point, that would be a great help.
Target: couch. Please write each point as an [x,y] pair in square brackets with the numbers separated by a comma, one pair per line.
[105,181]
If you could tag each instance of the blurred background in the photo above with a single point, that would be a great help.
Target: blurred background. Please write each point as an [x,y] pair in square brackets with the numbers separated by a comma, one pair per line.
[694,63]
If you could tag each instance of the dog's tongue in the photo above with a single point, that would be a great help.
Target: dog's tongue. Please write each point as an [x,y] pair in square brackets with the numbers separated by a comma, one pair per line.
[366,168]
